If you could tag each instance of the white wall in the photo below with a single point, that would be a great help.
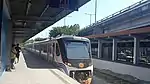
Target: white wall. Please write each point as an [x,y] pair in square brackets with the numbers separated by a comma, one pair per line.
[138,72]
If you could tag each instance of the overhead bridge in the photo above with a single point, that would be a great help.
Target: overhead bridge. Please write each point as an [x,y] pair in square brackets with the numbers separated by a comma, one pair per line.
[134,16]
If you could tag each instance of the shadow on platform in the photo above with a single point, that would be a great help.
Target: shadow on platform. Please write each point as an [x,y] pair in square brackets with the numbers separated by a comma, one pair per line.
[35,62]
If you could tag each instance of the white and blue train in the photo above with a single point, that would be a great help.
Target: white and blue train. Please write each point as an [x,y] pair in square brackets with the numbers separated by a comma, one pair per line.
[71,54]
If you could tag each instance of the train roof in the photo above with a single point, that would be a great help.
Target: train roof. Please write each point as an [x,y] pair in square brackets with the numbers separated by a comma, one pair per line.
[70,37]
[42,41]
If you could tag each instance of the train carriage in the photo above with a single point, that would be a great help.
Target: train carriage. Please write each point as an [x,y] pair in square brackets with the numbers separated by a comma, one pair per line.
[71,54]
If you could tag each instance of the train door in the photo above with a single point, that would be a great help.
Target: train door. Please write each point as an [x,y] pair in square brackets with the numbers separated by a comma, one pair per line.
[53,53]
[50,52]
[47,49]
[40,50]
[58,54]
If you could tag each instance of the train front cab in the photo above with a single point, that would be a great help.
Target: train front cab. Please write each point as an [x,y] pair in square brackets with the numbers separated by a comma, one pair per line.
[76,56]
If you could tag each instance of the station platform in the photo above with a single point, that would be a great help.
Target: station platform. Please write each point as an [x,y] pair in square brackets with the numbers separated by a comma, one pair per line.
[33,70]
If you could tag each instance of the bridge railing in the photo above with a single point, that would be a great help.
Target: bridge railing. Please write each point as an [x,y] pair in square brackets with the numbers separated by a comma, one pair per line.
[118,13]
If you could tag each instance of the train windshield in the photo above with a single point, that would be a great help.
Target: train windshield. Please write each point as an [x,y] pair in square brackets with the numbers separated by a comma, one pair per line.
[77,50]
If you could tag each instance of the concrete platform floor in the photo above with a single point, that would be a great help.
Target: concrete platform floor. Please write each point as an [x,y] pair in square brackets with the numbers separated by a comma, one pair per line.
[33,70]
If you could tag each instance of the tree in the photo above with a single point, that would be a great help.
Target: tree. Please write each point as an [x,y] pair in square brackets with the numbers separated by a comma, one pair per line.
[81,32]
[66,30]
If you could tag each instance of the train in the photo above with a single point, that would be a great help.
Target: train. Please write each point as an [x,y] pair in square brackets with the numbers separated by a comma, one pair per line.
[70,54]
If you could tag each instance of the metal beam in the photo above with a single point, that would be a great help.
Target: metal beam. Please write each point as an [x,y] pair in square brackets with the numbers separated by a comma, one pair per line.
[140,36]
[23,29]
[136,50]
[19,35]
[19,26]
[114,49]
[25,33]
[18,31]
[141,30]
[32,18]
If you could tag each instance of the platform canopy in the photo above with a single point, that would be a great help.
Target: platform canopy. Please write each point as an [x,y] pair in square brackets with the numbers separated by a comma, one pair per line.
[30,17]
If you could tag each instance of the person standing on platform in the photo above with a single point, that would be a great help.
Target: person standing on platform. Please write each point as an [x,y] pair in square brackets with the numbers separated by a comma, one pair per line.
[18,49]
[13,56]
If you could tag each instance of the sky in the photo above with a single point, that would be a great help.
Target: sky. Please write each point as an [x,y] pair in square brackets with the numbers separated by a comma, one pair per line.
[104,9]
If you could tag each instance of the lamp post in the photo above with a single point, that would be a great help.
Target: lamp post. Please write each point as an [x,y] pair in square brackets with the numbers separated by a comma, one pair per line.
[95,10]
[95,14]
[90,16]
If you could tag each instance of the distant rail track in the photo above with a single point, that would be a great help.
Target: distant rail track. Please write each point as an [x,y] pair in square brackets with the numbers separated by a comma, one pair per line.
[114,78]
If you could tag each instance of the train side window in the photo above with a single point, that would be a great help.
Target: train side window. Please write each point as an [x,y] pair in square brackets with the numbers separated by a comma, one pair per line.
[57,50]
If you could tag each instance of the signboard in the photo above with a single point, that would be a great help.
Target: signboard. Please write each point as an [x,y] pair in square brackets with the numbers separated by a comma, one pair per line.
[66,4]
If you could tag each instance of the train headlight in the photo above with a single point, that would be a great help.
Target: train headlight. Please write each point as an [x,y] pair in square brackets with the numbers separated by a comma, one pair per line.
[69,64]
[81,65]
